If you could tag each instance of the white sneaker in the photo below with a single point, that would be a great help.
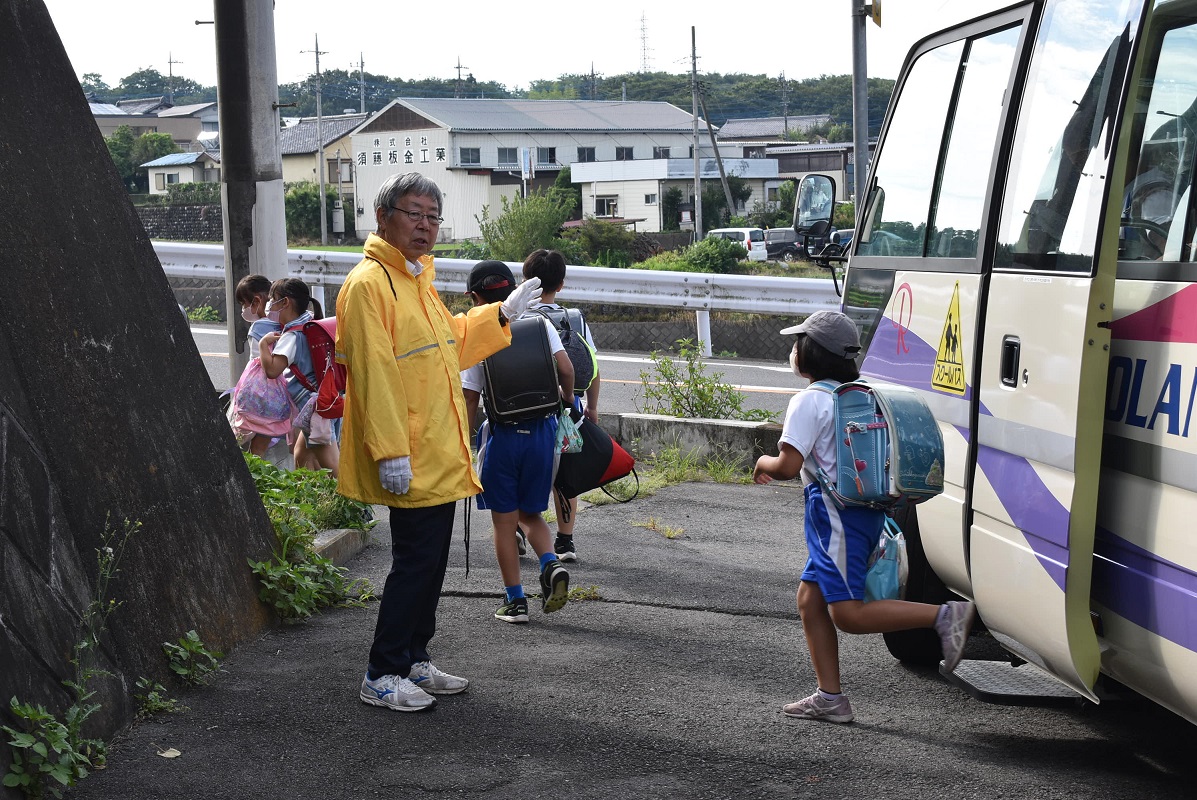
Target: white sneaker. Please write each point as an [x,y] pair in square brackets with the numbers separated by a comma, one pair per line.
[426,676]
[953,631]
[395,693]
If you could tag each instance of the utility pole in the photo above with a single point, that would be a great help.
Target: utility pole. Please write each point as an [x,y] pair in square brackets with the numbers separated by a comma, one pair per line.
[320,166]
[251,163]
[860,103]
[361,79]
[457,87]
[694,102]
[593,82]
[727,195]
[785,106]
[170,81]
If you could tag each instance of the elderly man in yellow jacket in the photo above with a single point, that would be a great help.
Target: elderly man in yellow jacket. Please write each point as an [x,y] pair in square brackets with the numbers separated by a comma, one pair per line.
[405,436]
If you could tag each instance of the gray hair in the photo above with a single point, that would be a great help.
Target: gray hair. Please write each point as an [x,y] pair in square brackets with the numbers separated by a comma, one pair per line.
[405,183]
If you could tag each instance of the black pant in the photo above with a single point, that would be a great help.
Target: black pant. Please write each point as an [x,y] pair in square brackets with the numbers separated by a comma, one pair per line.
[407,613]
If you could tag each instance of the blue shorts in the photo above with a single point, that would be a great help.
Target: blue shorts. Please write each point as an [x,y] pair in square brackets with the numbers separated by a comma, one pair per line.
[517,465]
[839,541]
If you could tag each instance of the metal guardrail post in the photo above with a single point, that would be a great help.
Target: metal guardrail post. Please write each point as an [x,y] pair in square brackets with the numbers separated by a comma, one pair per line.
[704,331]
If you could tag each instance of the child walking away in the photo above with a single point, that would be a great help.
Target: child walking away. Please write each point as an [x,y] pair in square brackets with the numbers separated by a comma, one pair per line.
[549,266]
[260,410]
[839,540]
[516,458]
[290,298]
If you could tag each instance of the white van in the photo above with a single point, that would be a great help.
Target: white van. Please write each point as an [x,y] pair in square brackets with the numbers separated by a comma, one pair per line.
[1026,258]
[752,239]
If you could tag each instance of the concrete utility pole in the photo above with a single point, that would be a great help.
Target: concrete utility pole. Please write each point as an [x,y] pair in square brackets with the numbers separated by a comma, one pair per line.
[361,79]
[457,86]
[860,103]
[727,195]
[170,81]
[321,168]
[251,163]
[694,101]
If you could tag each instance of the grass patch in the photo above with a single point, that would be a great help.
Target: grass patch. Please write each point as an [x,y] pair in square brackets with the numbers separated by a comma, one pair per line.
[670,466]
[654,524]
[579,594]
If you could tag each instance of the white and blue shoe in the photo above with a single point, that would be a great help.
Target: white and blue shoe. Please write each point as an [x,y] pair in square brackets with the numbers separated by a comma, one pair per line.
[426,676]
[395,693]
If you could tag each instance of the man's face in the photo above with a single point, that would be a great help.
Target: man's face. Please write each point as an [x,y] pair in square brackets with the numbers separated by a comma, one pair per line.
[412,238]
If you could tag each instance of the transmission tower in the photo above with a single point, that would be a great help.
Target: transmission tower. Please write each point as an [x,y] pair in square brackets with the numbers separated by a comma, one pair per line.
[644,50]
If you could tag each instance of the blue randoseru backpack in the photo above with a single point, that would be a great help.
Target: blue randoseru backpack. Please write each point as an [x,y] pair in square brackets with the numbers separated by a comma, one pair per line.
[889,449]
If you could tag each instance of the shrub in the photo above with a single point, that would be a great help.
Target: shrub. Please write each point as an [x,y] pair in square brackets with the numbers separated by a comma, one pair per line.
[607,245]
[525,224]
[668,261]
[686,390]
[193,194]
[715,255]
[302,202]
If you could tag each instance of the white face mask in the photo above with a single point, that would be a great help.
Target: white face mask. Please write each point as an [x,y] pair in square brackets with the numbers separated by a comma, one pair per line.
[794,361]
[248,315]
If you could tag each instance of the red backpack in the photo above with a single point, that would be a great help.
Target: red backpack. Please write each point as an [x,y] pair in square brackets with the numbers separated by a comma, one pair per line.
[321,335]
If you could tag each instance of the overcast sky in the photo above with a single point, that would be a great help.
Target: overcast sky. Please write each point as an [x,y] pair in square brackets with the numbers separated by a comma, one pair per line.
[511,43]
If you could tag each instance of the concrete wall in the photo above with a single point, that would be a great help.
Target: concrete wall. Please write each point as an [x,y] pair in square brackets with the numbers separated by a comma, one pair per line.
[106,413]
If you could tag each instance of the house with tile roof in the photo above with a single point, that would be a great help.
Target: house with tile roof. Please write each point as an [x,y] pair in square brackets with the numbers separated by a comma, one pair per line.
[168,170]
[476,149]
[190,126]
[770,129]
[300,144]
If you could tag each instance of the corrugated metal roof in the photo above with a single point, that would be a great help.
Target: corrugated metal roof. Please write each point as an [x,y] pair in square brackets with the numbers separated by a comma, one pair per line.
[184,111]
[770,126]
[300,138]
[562,115]
[176,159]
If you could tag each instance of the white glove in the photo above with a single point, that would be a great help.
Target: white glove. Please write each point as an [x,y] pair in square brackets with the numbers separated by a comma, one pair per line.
[395,474]
[526,295]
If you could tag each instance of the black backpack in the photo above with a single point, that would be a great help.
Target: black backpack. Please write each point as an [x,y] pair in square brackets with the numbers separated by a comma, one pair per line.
[572,329]
[521,379]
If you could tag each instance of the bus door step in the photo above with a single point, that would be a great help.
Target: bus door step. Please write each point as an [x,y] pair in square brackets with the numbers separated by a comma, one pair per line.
[1003,683]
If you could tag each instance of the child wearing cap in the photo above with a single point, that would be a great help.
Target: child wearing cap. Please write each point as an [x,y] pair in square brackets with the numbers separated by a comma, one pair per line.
[839,540]
[516,462]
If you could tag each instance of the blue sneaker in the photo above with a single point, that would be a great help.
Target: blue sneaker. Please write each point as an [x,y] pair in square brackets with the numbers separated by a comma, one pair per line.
[395,693]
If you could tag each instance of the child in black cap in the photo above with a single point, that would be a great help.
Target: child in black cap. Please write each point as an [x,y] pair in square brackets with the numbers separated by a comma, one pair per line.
[515,464]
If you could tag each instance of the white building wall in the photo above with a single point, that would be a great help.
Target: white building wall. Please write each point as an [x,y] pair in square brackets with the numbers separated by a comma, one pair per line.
[436,153]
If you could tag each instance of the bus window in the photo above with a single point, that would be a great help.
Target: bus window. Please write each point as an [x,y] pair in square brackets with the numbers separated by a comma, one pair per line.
[1052,205]
[902,199]
[1158,209]
[960,194]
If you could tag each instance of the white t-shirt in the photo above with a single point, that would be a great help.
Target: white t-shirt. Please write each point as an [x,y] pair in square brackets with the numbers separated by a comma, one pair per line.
[475,377]
[809,428]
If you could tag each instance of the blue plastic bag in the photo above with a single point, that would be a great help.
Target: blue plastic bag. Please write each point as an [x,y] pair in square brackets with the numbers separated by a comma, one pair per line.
[888,566]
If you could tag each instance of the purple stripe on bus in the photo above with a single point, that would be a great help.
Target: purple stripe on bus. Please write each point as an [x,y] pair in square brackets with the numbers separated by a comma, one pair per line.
[1153,593]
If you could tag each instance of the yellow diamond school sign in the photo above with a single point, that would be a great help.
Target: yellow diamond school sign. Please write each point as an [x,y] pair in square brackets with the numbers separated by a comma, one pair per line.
[948,375]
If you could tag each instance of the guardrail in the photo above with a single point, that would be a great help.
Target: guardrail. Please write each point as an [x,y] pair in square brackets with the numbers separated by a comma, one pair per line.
[701,292]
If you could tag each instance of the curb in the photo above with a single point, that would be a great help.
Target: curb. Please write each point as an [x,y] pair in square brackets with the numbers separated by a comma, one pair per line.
[341,545]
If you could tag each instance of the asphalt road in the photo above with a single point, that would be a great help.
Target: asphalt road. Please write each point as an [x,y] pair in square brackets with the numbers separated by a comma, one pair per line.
[668,687]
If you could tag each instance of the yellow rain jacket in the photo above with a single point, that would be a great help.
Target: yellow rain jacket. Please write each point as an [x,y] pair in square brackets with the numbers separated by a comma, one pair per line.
[403,355]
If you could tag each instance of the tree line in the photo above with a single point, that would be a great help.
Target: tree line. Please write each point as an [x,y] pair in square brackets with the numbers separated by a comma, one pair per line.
[727,96]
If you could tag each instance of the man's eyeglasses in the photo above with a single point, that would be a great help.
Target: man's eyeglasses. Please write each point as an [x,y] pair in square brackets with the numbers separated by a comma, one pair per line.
[416,216]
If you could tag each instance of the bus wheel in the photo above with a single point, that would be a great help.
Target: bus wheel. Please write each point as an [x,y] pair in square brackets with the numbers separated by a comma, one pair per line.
[918,647]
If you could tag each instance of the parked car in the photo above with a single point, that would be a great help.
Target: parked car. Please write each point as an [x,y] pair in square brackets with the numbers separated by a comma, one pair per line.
[752,239]
[783,244]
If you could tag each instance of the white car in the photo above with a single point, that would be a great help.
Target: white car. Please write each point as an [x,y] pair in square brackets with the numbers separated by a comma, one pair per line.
[752,239]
